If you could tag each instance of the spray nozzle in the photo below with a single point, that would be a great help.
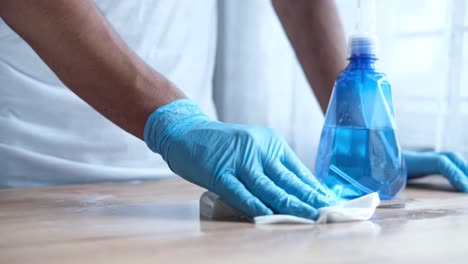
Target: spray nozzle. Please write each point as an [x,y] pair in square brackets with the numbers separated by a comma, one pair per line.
[366,22]
[364,41]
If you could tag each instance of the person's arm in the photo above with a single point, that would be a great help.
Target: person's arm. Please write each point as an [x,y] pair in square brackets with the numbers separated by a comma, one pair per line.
[83,50]
[317,36]
[251,168]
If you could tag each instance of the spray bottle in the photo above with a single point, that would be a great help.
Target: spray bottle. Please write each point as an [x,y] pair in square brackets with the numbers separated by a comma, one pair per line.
[359,152]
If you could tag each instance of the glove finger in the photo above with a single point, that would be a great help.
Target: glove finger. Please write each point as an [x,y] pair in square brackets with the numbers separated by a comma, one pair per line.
[276,198]
[293,185]
[295,165]
[452,173]
[235,194]
[420,164]
[458,160]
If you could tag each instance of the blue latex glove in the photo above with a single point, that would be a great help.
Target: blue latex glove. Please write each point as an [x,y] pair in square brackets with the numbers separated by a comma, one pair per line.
[251,168]
[450,165]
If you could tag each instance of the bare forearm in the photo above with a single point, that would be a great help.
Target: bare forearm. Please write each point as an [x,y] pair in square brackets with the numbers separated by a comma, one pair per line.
[316,33]
[78,44]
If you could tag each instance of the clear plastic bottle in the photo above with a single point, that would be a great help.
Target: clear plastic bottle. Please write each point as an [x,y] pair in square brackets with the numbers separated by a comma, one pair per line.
[359,152]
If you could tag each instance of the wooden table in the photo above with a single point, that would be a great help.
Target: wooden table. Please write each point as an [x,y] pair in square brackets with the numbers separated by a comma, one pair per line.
[158,222]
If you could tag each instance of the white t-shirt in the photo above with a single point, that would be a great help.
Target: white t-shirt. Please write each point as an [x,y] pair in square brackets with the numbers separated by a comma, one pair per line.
[48,135]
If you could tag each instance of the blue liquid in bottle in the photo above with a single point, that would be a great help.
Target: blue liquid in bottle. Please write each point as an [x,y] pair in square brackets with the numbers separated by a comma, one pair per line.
[359,152]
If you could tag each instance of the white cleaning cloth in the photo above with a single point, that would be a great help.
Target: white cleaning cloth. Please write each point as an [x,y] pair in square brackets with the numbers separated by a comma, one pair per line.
[360,209]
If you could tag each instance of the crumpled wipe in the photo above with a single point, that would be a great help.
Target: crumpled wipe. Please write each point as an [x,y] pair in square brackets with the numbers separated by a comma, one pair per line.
[360,209]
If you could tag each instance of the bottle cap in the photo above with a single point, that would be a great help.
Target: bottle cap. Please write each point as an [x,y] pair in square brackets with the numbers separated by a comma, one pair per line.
[363,45]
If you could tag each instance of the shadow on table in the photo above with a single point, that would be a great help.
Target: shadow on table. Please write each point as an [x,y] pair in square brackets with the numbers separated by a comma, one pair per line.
[433,183]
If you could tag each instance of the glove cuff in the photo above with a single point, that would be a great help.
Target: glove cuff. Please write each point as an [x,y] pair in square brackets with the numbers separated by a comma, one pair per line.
[162,121]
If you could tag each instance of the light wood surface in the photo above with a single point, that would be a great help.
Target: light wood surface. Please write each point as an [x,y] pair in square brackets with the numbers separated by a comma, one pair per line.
[158,222]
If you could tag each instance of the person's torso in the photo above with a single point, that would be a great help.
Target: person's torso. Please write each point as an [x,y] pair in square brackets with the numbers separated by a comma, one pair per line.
[50,136]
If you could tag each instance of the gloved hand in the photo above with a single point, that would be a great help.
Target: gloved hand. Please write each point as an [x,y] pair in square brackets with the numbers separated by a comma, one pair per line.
[251,168]
[450,165]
